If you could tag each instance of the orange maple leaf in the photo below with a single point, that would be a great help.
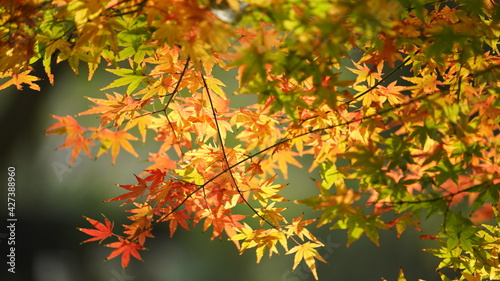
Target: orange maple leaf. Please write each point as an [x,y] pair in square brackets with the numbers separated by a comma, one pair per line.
[285,157]
[162,161]
[221,220]
[178,218]
[141,228]
[389,53]
[100,233]
[78,143]
[125,248]
[298,227]
[18,79]
[115,109]
[68,125]
[115,140]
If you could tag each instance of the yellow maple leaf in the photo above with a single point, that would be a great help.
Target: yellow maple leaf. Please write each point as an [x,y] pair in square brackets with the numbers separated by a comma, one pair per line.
[307,253]
[267,190]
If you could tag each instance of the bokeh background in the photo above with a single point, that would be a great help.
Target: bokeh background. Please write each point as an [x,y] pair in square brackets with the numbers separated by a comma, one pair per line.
[52,197]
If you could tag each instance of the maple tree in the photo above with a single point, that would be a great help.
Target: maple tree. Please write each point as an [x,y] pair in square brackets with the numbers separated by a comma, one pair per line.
[417,124]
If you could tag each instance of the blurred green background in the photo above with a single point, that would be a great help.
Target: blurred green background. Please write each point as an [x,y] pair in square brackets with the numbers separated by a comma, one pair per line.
[52,197]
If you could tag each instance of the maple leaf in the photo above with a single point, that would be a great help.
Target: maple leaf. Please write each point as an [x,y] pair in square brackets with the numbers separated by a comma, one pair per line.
[78,143]
[269,240]
[392,93]
[285,157]
[344,200]
[214,85]
[136,190]
[138,232]
[267,191]
[297,228]
[156,177]
[260,238]
[231,223]
[255,169]
[162,161]
[402,221]
[125,248]
[143,122]
[177,218]
[307,253]
[128,77]
[388,54]
[221,220]
[68,125]
[273,215]
[116,109]
[365,74]
[100,233]
[115,140]
[140,229]
[427,237]
[247,234]
[19,79]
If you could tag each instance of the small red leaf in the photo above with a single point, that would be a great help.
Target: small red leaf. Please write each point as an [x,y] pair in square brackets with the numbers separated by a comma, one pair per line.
[125,248]
[100,233]
[428,237]
[136,190]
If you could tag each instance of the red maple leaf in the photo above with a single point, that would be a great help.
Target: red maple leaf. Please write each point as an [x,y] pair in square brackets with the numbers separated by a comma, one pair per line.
[156,177]
[100,233]
[125,248]
[428,237]
[136,190]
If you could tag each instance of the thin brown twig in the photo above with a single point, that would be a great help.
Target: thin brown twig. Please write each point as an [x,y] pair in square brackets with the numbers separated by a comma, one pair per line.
[174,92]
[381,80]
[226,161]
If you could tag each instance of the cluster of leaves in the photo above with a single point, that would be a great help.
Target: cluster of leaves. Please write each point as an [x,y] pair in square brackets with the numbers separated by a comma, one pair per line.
[418,144]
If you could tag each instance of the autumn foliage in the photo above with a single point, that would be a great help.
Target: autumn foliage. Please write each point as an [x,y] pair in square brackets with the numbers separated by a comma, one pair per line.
[400,97]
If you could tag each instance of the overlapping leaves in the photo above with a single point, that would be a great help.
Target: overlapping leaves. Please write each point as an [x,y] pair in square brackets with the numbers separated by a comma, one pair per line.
[413,119]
